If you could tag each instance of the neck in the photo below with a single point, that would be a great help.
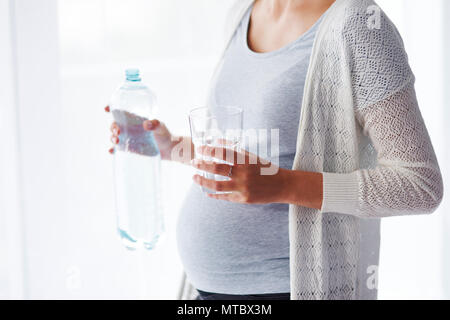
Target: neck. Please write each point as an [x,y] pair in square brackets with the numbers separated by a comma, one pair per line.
[280,7]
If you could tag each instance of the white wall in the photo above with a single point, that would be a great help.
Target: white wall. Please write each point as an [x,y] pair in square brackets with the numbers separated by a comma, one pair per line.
[11,241]
[412,255]
[446,158]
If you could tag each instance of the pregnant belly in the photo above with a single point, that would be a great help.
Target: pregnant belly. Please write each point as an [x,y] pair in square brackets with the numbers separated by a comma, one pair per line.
[222,237]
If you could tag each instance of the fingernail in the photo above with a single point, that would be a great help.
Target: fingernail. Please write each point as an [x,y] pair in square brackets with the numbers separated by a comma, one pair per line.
[107,109]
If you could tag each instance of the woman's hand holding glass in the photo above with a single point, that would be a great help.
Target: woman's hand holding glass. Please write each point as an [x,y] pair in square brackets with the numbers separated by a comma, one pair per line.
[251,180]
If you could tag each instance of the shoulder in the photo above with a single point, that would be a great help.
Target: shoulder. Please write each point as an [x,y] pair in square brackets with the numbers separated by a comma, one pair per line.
[368,35]
[373,48]
[237,7]
[364,21]
[234,16]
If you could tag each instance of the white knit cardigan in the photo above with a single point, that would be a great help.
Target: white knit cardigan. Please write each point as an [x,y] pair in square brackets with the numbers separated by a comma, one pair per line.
[362,128]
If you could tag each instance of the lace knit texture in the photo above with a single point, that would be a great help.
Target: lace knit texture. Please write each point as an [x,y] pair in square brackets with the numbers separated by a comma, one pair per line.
[362,128]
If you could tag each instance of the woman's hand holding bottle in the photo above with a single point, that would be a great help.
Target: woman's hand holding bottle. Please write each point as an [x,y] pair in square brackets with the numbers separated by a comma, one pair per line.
[165,140]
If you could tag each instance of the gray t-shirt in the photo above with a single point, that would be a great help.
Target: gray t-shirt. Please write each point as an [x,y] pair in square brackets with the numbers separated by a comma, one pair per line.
[244,249]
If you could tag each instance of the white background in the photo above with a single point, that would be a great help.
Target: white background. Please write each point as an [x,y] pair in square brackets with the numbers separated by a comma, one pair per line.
[60,62]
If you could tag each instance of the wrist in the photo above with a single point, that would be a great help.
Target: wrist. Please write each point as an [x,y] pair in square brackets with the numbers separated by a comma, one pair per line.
[301,188]
[283,186]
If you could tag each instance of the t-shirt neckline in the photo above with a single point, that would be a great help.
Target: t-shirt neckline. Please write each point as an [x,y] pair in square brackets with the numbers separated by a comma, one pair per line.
[246,26]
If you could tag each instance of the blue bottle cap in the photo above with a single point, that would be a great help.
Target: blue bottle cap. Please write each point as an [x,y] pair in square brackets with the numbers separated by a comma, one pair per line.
[132,75]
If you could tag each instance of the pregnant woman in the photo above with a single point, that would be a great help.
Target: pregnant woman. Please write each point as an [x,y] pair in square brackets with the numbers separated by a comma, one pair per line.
[334,79]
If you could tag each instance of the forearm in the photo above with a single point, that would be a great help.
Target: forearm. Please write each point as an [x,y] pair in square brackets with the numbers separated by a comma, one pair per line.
[301,188]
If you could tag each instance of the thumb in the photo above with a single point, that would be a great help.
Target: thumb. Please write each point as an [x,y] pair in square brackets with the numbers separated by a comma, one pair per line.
[151,125]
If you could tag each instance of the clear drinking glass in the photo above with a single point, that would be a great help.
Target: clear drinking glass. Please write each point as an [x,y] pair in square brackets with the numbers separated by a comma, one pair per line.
[219,127]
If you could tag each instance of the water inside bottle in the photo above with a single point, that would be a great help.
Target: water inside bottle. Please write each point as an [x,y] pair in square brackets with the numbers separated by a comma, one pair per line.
[138,212]
[137,183]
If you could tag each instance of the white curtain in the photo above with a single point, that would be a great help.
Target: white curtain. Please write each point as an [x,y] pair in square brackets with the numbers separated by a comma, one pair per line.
[61,60]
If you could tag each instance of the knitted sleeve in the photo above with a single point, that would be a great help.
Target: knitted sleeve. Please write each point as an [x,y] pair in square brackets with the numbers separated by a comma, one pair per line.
[407,179]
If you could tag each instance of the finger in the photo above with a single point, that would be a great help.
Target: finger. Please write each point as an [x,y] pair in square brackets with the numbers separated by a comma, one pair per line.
[220,153]
[225,142]
[151,125]
[115,128]
[213,184]
[231,197]
[115,139]
[111,151]
[229,155]
[212,167]
[107,109]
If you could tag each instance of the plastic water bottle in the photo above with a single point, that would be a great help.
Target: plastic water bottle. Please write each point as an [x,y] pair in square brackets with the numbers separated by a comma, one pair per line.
[136,166]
